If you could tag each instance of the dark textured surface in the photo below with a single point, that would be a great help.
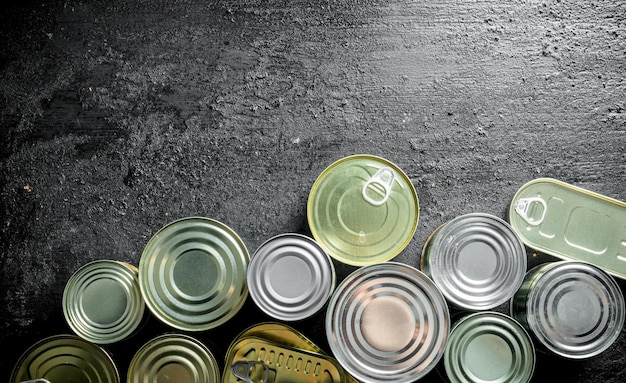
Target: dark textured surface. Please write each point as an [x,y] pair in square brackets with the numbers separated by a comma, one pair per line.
[119,117]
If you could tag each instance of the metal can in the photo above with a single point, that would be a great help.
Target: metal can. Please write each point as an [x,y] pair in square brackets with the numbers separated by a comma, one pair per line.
[387,322]
[102,302]
[192,274]
[290,277]
[476,259]
[173,358]
[573,309]
[65,358]
[489,347]
[363,210]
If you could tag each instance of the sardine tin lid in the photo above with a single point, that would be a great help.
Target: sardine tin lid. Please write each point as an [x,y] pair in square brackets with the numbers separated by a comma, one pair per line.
[102,301]
[192,274]
[387,322]
[363,210]
[290,277]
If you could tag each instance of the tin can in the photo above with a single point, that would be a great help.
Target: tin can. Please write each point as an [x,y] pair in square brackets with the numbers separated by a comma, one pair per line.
[477,260]
[387,322]
[489,347]
[573,309]
[192,274]
[102,302]
[173,358]
[65,358]
[363,210]
[290,277]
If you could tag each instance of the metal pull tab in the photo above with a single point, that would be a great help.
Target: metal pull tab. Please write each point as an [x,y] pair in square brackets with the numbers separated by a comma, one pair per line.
[532,210]
[247,370]
[382,179]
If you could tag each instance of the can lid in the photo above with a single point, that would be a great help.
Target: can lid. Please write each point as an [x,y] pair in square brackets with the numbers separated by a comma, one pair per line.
[192,274]
[173,357]
[575,309]
[387,322]
[290,277]
[363,209]
[477,260]
[489,347]
[64,358]
[102,302]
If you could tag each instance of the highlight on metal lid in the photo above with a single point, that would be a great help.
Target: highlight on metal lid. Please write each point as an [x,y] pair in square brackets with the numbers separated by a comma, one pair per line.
[102,301]
[476,260]
[363,209]
[290,277]
[573,309]
[65,358]
[387,322]
[489,347]
[192,274]
[173,358]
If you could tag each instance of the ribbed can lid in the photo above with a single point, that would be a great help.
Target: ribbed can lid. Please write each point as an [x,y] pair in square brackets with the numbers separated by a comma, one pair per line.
[290,277]
[192,274]
[387,322]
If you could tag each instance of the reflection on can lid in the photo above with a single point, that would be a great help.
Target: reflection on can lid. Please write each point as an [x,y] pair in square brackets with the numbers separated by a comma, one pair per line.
[363,209]
[102,302]
[477,261]
[65,358]
[192,274]
[489,347]
[290,277]
[387,323]
[173,358]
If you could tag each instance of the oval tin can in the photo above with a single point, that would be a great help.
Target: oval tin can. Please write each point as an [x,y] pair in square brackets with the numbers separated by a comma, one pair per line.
[102,301]
[387,322]
[573,309]
[173,358]
[363,210]
[192,274]
[489,347]
[65,358]
[290,277]
[476,259]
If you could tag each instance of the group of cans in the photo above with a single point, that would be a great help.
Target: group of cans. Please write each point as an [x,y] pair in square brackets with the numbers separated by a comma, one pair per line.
[385,322]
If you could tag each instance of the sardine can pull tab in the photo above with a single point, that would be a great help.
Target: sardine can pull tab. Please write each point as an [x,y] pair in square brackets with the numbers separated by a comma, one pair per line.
[384,178]
[243,369]
[526,208]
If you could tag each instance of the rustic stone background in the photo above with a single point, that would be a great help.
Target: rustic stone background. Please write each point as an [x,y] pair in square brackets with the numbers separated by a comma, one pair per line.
[121,116]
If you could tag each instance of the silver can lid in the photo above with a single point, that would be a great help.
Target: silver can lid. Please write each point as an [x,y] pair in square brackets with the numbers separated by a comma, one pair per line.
[290,277]
[387,322]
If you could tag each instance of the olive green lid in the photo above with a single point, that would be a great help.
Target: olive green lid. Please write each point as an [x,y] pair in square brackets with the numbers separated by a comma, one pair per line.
[363,209]
[192,274]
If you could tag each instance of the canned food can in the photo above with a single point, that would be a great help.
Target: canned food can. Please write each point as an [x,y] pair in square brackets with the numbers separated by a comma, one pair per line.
[192,274]
[65,358]
[363,210]
[476,259]
[387,322]
[102,301]
[173,358]
[489,347]
[290,277]
[573,309]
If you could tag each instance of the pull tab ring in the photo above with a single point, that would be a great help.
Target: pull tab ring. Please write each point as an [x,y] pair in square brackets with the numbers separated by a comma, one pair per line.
[526,208]
[383,178]
[242,369]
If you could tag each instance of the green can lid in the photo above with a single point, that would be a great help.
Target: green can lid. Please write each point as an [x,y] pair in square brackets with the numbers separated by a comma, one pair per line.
[102,302]
[65,358]
[192,274]
[489,347]
[363,209]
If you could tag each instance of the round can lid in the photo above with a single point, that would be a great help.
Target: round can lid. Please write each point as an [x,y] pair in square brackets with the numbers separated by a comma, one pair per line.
[173,357]
[192,274]
[363,209]
[290,277]
[387,322]
[477,260]
[65,358]
[575,309]
[102,302]
[489,347]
